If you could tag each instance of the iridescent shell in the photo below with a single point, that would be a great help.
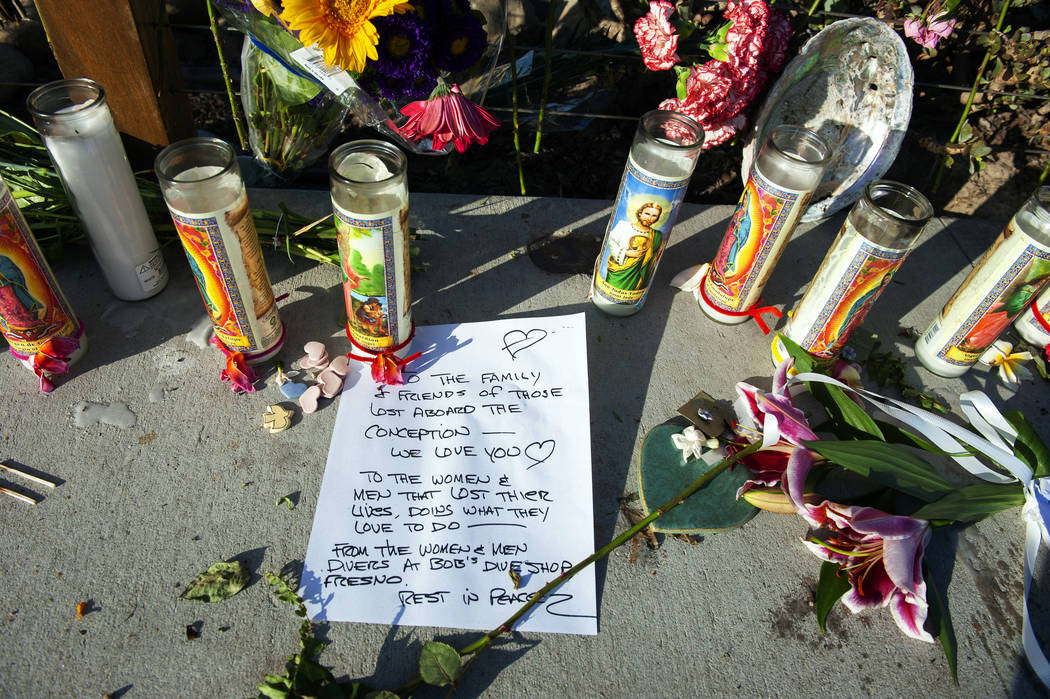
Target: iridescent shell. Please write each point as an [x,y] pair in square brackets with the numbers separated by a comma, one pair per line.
[852,84]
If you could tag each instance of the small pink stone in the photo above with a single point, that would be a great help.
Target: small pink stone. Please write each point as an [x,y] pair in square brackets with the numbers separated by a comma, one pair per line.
[330,382]
[340,365]
[308,401]
[314,350]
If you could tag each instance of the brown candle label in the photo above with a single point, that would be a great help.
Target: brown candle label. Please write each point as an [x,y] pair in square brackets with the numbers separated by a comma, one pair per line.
[32,308]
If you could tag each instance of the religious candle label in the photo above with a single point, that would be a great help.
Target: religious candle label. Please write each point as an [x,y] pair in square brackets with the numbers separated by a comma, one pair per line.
[32,308]
[760,228]
[451,499]
[646,207]
[224,255]
[849,280]
[995,292]
[373,254]
[1035,330]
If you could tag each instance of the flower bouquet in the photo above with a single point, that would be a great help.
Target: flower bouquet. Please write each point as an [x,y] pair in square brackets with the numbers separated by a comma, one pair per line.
[307,63]
[745,51]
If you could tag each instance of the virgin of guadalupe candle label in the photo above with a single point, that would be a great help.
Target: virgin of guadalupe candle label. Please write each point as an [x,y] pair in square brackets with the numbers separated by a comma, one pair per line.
[754,237]
[32,311]
[646,209]
[224,255]
[376,279]
[842,293]
[996,291]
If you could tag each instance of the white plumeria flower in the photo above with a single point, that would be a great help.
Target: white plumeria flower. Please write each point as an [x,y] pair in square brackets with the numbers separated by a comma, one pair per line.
[691,441]
[1001,355]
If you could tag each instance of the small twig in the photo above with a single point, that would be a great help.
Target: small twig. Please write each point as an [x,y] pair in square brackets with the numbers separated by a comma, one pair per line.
[235,106]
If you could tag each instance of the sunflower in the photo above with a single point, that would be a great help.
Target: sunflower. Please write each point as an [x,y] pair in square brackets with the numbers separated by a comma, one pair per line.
[341,28]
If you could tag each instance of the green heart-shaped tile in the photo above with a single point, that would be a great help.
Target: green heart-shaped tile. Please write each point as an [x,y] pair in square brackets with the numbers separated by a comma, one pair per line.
[662,474]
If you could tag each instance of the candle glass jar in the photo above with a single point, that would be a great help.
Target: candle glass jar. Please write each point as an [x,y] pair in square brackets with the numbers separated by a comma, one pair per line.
[1034,323]
[878,234]
[33,310]
[205,194]
[783,177]
[1002,284]
[659,166]
[370,201]
[77,128]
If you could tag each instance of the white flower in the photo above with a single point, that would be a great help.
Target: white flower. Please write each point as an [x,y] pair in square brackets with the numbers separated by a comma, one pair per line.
[1001,354]
[691,441]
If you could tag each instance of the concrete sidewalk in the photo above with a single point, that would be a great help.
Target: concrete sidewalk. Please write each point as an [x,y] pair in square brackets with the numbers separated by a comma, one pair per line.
[145,507]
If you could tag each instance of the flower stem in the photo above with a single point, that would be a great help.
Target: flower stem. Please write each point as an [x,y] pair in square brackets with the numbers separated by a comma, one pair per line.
[485,641]
[547,56]
[942,163]
[235,106]
[514,109]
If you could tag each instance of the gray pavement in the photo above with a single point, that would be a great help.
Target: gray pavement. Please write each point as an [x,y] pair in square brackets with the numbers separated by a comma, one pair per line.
[142,509]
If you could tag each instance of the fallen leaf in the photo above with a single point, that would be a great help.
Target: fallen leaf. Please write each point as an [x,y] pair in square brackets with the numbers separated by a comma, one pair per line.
[147,438]
[633,515]
[515,577]
[219,582]
[192,633]
[82,609]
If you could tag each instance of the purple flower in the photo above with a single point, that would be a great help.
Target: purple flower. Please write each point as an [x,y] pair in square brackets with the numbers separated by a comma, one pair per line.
[459,42]
[417,87]
[404,45]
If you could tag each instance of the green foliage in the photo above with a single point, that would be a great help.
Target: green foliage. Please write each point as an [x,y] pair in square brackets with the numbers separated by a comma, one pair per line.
[972,503]
[221,581]
[939,625]
[887,368]
[304,677]
[830,588]
[891,465]
[439,664]
[1029,447]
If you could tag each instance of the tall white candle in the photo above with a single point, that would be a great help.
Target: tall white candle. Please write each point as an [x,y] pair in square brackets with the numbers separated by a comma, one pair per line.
[77,128]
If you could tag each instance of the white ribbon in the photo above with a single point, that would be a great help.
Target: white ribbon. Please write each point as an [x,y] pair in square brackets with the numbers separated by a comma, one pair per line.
[996,442]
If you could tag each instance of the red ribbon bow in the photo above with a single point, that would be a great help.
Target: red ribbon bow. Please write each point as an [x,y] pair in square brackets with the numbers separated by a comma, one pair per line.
[755,311]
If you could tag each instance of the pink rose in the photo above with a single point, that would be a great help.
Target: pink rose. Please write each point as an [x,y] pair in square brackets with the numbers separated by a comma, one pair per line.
[656,37]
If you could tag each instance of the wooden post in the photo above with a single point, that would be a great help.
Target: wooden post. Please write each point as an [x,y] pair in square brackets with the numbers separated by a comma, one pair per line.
[127,47]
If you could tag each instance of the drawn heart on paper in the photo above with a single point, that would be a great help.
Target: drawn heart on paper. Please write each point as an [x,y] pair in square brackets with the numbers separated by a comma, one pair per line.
[538,452]
[517,340]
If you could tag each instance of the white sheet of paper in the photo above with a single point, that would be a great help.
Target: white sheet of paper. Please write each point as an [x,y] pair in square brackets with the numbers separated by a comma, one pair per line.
[436,489]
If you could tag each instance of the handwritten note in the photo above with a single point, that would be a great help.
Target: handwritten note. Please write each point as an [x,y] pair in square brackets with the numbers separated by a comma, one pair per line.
[450,500]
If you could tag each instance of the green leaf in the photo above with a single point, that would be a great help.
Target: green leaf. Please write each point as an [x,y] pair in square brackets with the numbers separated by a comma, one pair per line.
[844,412]
[273,692]
[966,133]
[973,503]
[439,664]
[889,464]
[683,76]
[830,588]
[1029,447]
[898,435]
[939,624]
[804,362]
[219,582]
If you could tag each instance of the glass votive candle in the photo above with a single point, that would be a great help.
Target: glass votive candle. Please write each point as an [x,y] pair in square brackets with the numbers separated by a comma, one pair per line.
[659,167]
[78,131]
[205,194]
[1033,325]
[877,236]
[783,177]
[370,201]
[1002,284]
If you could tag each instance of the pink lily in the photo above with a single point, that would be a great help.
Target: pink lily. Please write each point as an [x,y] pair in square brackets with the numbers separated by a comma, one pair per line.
[656,37]
[771,415]
[882,556]
[448,117]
